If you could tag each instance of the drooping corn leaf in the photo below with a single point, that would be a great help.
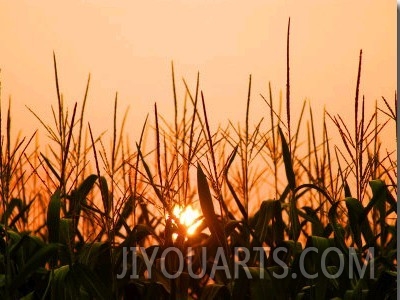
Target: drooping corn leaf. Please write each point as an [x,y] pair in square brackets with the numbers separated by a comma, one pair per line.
[317,228]
[86,186]
[15,203]
[381,196]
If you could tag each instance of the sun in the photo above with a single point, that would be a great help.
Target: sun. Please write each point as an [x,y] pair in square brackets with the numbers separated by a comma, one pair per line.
[188,217]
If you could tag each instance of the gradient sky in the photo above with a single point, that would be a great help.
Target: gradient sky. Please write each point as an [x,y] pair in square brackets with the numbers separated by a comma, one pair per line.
[128,46]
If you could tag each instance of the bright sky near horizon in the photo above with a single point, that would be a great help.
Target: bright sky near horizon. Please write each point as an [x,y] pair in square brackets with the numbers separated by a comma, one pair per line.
[128,46]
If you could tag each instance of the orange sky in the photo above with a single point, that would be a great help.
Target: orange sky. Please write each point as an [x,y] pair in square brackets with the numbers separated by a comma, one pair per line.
[127,46]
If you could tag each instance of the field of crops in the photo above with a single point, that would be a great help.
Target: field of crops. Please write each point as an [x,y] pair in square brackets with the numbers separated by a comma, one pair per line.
[264,211]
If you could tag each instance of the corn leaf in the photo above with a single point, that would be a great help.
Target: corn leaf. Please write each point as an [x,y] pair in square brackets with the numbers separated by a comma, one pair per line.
[105,195]
[337,228]
[215,291]
[287,160]
[36,261]
[257,287]
[91,282]
[53,217]
[207,208]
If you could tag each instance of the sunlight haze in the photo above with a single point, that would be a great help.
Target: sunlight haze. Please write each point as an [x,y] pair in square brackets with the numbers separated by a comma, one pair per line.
[128,47]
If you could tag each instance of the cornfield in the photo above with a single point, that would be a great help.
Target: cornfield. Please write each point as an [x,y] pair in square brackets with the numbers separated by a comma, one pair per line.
[281,212]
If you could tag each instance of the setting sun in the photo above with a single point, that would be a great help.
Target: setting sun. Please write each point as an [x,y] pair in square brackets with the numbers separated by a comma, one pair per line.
[188,217]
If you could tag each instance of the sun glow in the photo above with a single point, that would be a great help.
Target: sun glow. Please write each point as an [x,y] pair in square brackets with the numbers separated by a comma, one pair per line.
[188,217]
